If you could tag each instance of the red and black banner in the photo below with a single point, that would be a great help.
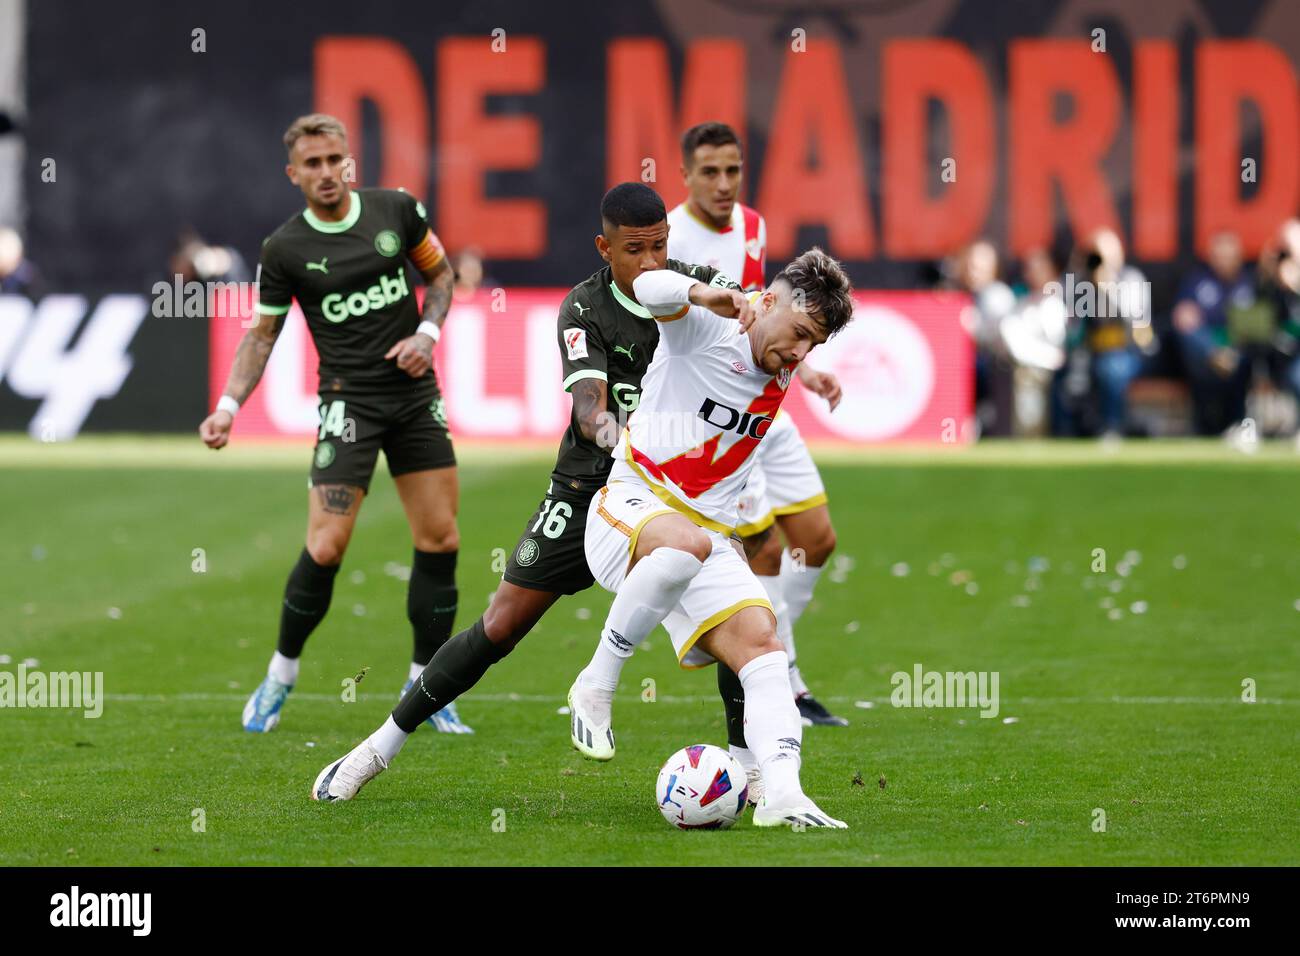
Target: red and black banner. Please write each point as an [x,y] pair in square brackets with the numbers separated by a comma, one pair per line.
[889,133]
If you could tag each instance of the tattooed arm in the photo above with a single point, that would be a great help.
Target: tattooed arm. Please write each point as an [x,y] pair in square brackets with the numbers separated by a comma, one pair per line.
[440,280]
[252,355]
[415,354]
[246,371]
[595,421]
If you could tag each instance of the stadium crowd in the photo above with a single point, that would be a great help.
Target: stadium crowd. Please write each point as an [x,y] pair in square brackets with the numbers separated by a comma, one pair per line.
[1070,343]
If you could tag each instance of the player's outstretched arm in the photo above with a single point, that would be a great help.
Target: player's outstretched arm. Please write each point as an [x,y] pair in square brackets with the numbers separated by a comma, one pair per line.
[728,303]
[823,384]
[246,371]
[414,354]
[665,293]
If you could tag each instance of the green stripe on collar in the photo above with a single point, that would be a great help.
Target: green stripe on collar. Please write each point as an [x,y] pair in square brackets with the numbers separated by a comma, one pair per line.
[344,224]
[636,308]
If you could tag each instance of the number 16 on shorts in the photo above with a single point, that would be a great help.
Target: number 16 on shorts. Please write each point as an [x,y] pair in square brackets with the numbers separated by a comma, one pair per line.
[553,518]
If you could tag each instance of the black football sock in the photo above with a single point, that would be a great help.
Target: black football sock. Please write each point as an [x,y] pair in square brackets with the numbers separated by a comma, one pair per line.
[306,599]
[459,664]
[431,599]
[733,702]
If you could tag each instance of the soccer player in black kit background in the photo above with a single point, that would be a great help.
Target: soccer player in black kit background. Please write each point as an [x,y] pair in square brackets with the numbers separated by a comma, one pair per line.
[344,259]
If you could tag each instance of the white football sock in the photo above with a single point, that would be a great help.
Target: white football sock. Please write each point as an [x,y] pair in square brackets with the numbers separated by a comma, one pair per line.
[415,671]
[774,585]
[797,584]
[388,739]
[775,588]
[648,593]
[284,669]
[744,756]
[772,727]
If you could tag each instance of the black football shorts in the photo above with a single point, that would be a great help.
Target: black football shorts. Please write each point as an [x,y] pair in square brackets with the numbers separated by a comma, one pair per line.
[551,555]
[410,428]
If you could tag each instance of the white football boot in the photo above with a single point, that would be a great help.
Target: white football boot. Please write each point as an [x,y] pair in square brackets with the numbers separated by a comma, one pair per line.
[799,813]
[589,720]
[343,778]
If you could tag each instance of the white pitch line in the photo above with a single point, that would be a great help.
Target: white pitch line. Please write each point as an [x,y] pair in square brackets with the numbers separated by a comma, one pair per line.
[673,699]
[1144,700]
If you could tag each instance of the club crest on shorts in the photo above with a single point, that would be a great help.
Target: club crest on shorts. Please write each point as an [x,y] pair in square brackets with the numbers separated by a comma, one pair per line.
[325,454]
[528,553]
[387,243]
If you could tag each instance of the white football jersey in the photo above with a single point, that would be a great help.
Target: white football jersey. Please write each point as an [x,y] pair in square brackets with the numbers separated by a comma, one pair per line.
[739,251]
[705,407]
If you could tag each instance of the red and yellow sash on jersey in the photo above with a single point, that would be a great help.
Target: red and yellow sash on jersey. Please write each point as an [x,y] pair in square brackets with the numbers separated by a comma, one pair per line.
[699,469]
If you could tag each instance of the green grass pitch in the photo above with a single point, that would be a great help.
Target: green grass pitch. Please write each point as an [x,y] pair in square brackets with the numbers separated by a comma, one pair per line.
[1138,713]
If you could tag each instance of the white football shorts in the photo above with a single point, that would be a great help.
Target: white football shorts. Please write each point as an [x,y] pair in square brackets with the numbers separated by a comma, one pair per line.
[724,585]
[784,479]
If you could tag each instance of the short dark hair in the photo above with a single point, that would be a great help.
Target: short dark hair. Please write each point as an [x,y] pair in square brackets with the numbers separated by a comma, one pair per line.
[632,204]
[706,134]
[825,288]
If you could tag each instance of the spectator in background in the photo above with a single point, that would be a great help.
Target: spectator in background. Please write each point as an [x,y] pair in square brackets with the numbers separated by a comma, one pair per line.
[1034,338]
[977,273]
[1217,371]
[196,261]
[1279,283]
[18,274]
[1109,304]
[468,267]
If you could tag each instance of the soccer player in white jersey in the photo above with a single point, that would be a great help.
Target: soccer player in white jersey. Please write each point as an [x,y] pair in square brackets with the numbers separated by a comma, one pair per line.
[658,534]
[785,490]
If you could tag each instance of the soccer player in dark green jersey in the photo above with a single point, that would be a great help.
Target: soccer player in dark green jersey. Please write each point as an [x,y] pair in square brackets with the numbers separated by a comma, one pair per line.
[344,258]
[606,340]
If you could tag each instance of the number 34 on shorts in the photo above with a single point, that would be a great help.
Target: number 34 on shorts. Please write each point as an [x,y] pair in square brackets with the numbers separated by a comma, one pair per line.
[334,421]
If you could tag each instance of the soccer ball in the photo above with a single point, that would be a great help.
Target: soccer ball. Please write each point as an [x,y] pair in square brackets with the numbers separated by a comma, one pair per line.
[702,787]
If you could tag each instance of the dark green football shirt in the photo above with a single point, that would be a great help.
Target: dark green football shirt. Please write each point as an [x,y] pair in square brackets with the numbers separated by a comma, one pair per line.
[605,335]
[351,280]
